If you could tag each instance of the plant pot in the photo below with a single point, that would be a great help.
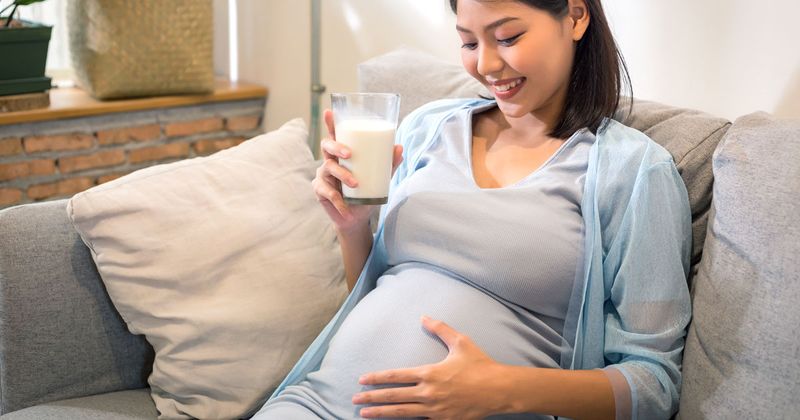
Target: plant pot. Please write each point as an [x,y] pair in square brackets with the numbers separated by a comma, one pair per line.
[23,51]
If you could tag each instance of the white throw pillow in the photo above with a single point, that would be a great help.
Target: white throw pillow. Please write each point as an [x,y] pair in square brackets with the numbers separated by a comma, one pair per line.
[227,264]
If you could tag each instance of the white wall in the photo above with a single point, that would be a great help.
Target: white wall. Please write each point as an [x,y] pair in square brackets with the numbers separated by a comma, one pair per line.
[274,44]
[356,30]
[727,57]
[274,50]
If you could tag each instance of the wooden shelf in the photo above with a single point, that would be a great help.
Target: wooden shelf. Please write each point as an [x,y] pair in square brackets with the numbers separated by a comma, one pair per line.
[74,102]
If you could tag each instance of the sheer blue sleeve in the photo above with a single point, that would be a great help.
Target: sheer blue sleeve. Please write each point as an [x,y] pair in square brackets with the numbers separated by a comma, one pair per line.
[649,306]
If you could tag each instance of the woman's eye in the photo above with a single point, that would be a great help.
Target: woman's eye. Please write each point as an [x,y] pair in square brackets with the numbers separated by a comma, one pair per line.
[470,45]
[508,41]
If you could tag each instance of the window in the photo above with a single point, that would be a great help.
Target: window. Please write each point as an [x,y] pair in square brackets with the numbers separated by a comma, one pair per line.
[53,12]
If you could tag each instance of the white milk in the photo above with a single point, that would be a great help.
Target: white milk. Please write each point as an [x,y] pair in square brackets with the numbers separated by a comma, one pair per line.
[371,143]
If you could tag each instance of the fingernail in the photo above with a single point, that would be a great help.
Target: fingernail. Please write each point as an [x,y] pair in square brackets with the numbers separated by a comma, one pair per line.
[362,380]
[426,318]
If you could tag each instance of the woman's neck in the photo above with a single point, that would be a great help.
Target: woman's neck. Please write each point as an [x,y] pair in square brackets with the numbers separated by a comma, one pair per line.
[529,129]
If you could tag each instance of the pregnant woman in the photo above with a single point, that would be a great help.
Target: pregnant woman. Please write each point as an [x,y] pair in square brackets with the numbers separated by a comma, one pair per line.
[531,261]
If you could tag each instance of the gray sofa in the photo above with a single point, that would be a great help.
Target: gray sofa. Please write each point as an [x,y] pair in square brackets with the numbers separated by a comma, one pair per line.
[65,353]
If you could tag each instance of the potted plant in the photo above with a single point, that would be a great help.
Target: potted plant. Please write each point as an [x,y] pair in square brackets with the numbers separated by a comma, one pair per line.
[23,48]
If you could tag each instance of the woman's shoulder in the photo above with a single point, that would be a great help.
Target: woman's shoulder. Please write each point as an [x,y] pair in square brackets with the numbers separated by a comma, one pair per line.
[624,158]
[620,143]
[423,122]
[629,168]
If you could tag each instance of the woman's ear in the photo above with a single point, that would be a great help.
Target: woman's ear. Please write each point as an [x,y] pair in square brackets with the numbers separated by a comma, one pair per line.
[579,14]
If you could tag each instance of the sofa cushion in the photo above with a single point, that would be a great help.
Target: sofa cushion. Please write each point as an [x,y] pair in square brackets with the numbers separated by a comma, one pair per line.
[60,335]
[418,77]
[227,264]
[123,405]
[690,136]
[741,358]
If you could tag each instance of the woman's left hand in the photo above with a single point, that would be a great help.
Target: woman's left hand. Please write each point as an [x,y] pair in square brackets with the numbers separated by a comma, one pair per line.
[462,386]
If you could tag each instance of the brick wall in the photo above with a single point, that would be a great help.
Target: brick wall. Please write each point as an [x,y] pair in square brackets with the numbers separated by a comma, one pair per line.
[56,159]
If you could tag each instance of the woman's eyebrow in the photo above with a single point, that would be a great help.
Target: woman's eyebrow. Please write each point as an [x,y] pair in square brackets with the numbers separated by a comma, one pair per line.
[490,26]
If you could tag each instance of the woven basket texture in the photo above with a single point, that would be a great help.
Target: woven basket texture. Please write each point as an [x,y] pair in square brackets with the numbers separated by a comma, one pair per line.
[124,48]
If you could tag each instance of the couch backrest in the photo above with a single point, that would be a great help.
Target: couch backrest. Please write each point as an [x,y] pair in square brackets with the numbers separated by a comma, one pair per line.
[60,336]
[742,357]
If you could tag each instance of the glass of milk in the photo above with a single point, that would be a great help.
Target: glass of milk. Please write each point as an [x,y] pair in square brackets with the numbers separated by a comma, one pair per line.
[366,123]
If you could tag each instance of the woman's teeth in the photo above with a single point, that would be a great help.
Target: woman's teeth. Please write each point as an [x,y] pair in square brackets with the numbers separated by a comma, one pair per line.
[509,86]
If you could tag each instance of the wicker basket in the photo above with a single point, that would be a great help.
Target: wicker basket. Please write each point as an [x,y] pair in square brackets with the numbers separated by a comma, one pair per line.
[124,48]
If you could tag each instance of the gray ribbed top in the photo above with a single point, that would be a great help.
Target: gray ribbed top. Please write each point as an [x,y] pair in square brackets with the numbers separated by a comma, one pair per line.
[495,264]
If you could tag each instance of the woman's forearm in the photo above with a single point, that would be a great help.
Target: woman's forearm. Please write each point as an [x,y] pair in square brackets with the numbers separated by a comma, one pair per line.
[576,394]
[356,245]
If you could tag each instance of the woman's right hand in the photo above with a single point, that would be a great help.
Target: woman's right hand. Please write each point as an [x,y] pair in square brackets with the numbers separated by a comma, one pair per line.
[330,176]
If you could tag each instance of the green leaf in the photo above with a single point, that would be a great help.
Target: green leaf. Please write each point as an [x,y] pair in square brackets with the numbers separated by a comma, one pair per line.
[26,2]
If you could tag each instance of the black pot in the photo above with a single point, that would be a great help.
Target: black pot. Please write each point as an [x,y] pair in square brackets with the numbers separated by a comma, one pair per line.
[23,52]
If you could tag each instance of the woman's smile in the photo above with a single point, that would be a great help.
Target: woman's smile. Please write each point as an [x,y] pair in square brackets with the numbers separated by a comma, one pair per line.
[507,88]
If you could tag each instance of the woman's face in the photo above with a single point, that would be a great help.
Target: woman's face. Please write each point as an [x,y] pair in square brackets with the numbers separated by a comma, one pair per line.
[523,55]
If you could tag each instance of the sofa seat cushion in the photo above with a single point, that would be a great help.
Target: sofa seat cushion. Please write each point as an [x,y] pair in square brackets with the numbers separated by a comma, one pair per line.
[741,359]
[123,405]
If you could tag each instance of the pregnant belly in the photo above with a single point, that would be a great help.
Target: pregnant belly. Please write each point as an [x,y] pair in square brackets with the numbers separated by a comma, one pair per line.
[384,330]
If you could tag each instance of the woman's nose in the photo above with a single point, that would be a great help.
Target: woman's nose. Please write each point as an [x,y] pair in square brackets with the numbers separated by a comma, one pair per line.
[489,61]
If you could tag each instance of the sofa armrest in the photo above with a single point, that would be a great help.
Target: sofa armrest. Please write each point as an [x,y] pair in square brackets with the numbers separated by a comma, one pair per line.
[60,336]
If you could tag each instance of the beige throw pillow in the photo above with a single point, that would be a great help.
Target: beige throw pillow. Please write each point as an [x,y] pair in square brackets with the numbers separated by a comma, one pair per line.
[227,264]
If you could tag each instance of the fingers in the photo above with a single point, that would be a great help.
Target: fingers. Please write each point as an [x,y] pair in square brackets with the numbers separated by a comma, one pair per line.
[398,157]
[404,394]
[451,337]
[394,376]
[328,117]
[334,149]
[327,185]
[395,411]
[332,168]
[330,197]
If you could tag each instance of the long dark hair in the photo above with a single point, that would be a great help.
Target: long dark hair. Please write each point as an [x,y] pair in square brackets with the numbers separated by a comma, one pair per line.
[599,74]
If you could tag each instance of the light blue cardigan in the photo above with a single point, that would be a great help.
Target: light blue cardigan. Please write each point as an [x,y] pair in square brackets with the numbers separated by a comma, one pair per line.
[630,308]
